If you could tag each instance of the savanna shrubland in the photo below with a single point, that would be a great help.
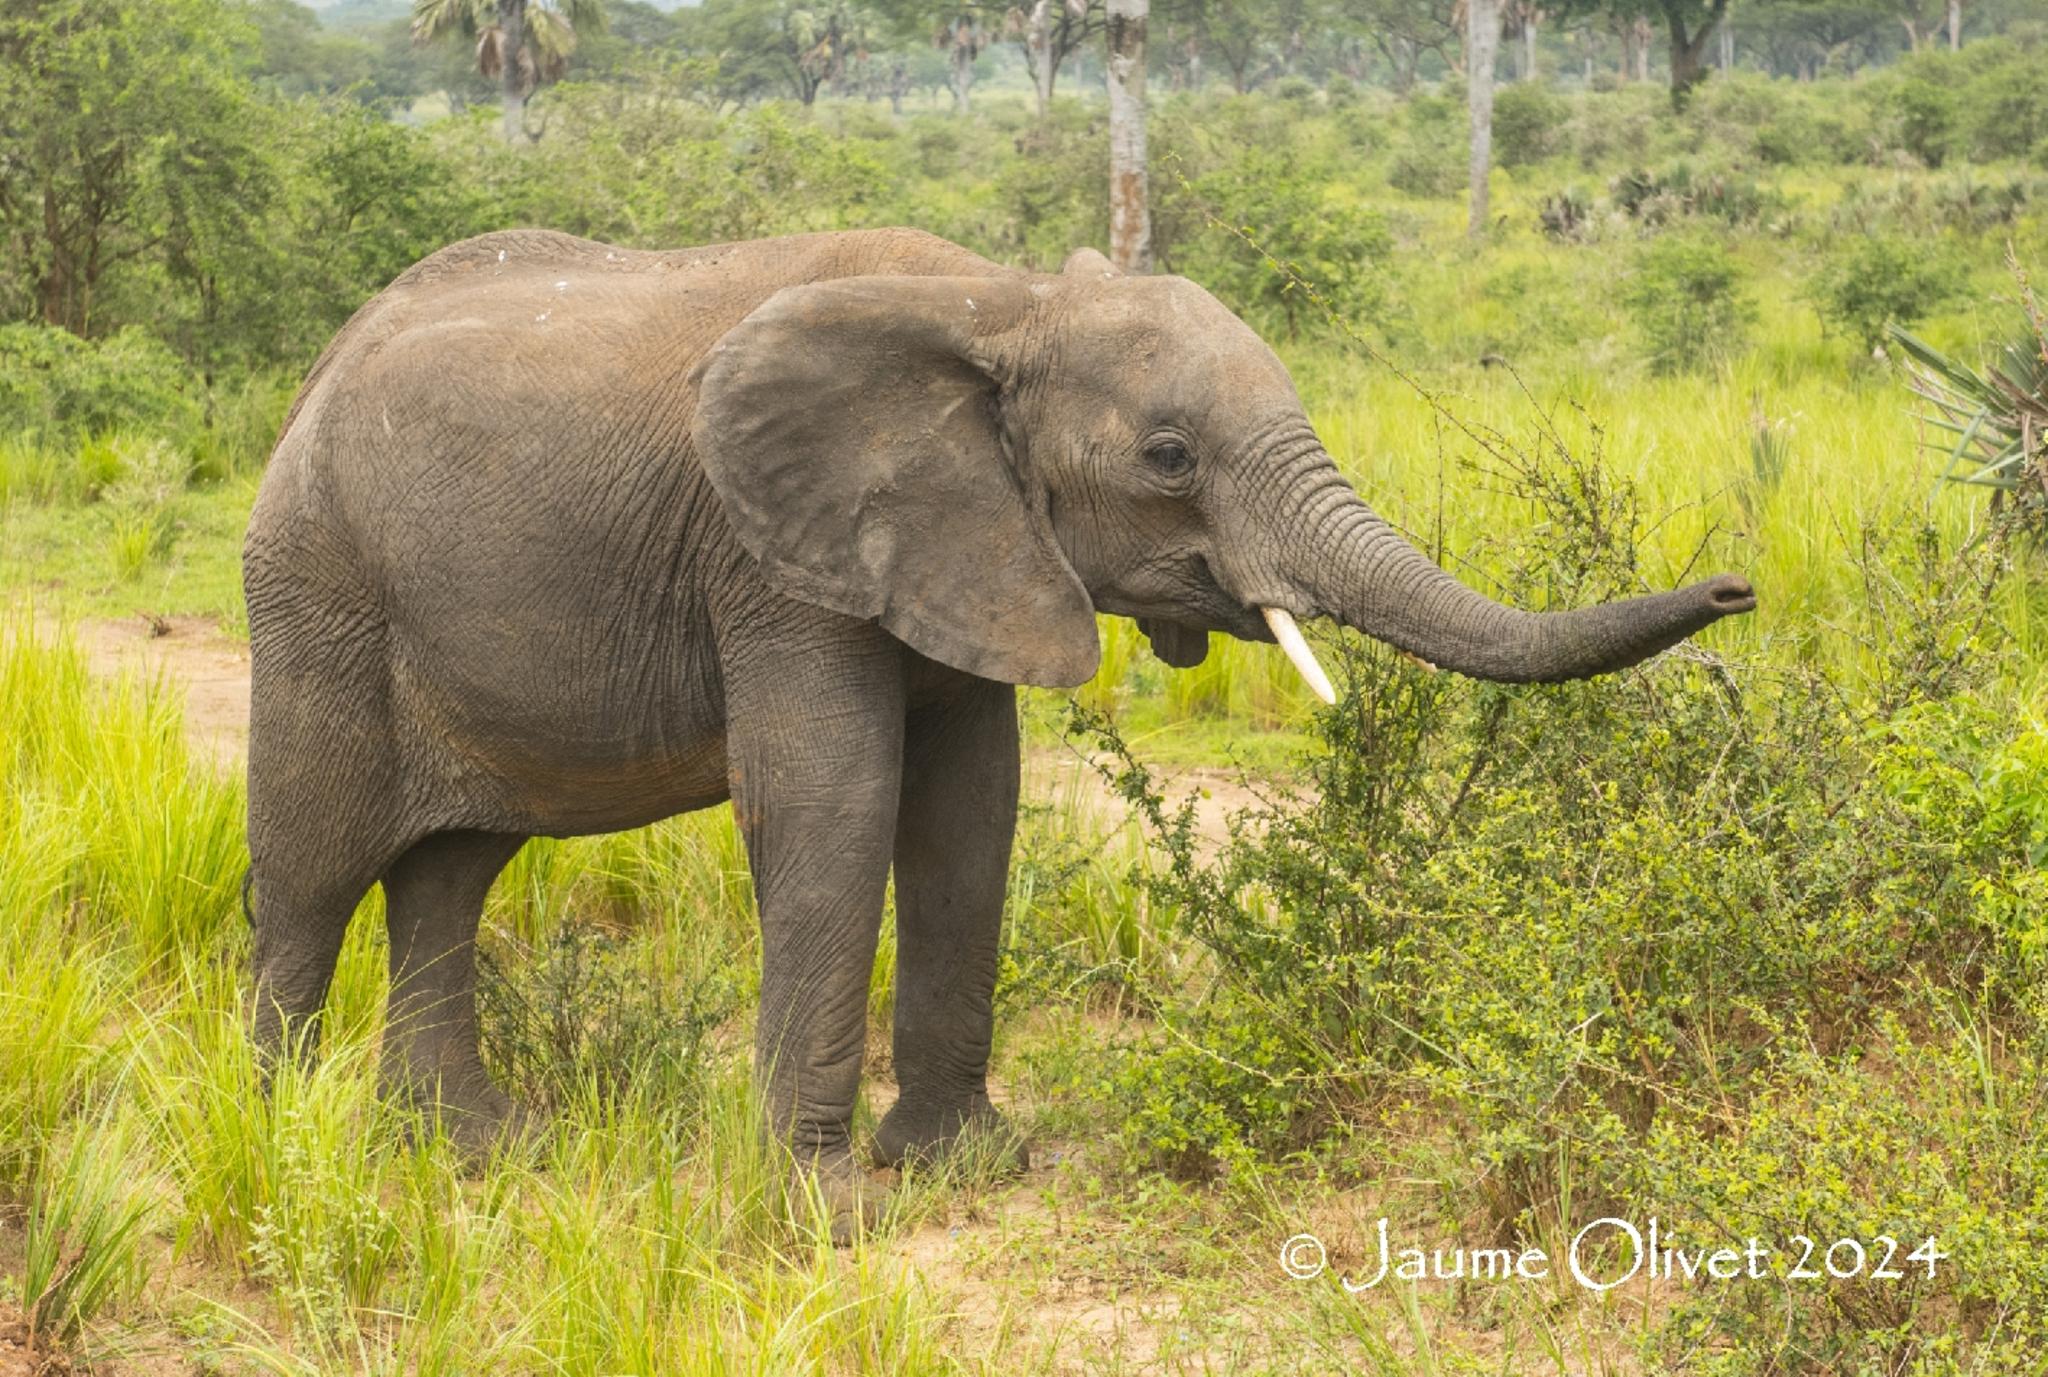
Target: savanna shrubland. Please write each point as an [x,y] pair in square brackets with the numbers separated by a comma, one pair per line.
[1754,948]
[1750,937]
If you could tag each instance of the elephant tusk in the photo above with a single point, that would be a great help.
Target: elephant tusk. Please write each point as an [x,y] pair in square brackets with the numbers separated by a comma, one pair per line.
[1289,636]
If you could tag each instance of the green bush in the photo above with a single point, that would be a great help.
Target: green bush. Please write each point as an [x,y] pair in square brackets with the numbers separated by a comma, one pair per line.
[1963,200]
[1681,190]
[1686,300]
[1217,1103]
[585,1017]
[1296,90]
[1528,122]
[1051,196]
[1567,916]
[1920,119]
[2002,108]
[1430,158]
[1897,1140]
[1340,248]
[60,388]
[1614,125]
[1876,281]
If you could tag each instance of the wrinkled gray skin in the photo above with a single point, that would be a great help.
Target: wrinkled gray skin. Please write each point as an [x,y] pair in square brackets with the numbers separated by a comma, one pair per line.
[562,538]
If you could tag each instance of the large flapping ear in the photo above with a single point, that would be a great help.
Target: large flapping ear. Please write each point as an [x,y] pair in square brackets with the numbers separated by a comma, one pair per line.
[854,430]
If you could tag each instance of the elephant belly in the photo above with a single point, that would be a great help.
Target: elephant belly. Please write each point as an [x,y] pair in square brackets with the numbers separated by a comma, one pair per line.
[562,745]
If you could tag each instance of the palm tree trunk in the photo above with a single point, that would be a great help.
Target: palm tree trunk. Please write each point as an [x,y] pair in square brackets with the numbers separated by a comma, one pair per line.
[1482,43]
[511,77]
[1130,215]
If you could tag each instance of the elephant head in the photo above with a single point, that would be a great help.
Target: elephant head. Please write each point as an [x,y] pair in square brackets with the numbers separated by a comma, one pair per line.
[982,463]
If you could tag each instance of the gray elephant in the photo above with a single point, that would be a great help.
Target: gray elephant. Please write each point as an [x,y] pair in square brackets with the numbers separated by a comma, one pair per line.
[561,538]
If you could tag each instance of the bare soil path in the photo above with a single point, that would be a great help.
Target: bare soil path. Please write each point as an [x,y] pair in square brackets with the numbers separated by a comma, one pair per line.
[191,654]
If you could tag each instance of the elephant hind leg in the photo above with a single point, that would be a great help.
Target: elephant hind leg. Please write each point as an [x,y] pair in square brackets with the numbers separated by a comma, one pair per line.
[321,830]
[325,784]
[434,898]
[300,915]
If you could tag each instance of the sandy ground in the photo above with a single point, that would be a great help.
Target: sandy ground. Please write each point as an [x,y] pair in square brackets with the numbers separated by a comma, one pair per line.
[16,1359]
[211,670]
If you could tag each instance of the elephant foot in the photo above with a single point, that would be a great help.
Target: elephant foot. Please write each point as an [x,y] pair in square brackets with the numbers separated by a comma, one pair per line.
[853,1201]
[477,1117]
[915,1132]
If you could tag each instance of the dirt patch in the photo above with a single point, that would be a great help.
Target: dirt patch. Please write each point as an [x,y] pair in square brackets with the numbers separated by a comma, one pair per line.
[17,1357]
[1066,777]
[191,654]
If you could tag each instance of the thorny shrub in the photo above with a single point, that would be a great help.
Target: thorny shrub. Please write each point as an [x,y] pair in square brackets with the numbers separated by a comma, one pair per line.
[588,1016]
[1599,931]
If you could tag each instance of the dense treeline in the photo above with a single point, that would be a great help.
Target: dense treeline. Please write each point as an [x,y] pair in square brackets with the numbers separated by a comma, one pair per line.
[231,180]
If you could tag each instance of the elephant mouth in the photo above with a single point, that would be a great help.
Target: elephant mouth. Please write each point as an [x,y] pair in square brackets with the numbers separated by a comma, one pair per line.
[1177,644]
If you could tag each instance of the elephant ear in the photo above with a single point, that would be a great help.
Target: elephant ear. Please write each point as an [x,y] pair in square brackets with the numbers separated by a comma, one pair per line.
[854,430]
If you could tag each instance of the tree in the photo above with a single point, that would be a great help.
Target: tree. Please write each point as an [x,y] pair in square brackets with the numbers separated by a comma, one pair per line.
[961,39]
[1482,20]
[1403,30]
[1921,19]
[520,42]
[747,44]
[1525,15]
[114,114]
[1800,37]
[1049,32]
[817,41]
[1240,32]
[1689,24]
[1130,216]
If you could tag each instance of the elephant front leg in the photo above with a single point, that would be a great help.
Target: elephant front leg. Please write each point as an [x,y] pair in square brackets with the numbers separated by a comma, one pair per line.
[954,830]
[815,746]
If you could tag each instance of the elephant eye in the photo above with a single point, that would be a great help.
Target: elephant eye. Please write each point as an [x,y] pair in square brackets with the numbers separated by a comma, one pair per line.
[1170,458]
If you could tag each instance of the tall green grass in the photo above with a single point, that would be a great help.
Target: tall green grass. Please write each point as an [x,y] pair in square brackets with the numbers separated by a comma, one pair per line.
[640,1232]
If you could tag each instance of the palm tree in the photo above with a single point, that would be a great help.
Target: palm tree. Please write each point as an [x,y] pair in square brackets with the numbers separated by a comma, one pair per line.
[521,42]
[818,41]
[1993,423]
[961,39]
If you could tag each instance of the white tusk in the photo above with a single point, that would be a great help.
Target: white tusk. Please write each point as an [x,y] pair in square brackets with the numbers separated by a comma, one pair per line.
[1289,636]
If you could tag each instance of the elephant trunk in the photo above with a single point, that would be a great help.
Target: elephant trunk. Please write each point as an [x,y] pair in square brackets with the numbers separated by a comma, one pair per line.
[1352,565]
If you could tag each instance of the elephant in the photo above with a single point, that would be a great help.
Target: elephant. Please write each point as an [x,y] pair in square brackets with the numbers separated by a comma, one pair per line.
[563,538]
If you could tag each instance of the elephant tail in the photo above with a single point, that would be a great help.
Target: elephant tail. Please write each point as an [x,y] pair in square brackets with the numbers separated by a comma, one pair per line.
[248,887]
